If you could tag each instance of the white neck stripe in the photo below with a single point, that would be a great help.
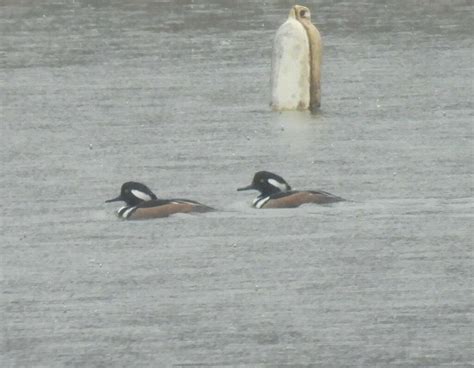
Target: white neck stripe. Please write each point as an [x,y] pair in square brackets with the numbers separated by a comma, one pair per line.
[128,212]
[259,201]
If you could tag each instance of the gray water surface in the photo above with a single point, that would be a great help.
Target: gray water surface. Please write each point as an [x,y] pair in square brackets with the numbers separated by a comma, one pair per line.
[175,94]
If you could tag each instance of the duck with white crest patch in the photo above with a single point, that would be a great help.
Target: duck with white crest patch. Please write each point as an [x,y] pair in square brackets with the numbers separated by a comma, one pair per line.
[142,203]
[275,192]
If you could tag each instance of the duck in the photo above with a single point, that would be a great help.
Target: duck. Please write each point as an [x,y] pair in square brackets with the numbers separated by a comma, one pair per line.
[275,192]
[141,203]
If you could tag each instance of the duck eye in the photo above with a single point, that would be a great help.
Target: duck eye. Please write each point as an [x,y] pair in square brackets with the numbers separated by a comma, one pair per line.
[302,13]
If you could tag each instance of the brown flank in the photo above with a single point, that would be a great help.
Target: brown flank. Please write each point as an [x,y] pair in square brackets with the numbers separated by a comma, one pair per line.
[166,210]
[297,199]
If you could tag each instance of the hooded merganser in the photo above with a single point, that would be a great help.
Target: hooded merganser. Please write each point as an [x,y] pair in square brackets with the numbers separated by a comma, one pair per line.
[142,203]
[275,192]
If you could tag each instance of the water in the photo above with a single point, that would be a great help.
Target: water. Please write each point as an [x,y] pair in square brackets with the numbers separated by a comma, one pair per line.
[176,95]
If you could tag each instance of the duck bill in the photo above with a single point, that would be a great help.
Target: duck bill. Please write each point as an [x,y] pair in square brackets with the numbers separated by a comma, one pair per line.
[248,187]
[119,198]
